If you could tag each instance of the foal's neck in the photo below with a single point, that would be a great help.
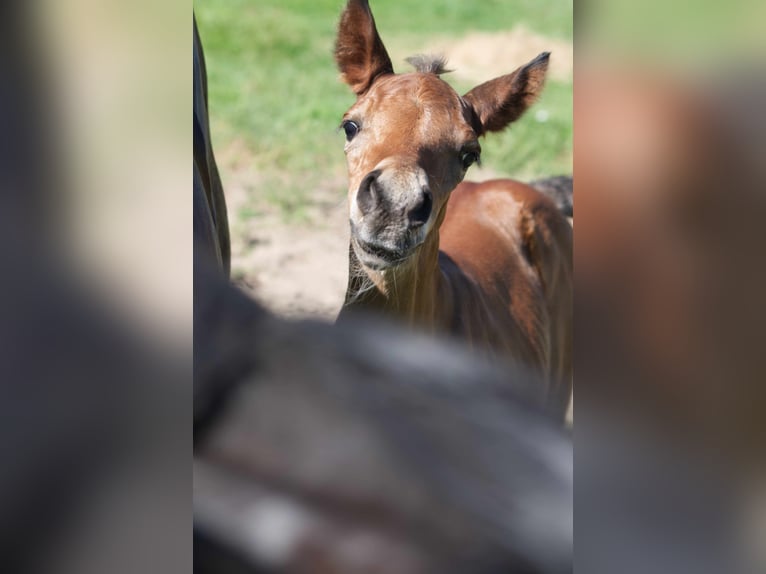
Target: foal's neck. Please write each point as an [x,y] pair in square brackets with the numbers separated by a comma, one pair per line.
[409,292]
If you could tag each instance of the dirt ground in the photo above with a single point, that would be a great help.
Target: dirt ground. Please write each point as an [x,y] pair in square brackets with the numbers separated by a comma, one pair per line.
[297,271]
[295,268]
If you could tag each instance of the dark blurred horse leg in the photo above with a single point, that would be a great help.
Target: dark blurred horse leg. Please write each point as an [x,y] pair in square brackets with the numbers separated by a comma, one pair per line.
[211,225]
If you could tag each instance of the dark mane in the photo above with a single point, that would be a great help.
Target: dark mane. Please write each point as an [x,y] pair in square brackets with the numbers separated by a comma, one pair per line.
[429,64]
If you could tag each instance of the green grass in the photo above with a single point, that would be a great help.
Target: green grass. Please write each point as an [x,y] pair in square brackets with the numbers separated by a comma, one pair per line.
[273,85]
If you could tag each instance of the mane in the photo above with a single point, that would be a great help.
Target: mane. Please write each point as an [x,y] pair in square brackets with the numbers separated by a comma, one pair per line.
[429,64]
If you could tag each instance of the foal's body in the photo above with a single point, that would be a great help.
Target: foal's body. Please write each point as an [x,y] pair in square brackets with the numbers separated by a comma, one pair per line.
[490,263]
[506,254]
[498,275]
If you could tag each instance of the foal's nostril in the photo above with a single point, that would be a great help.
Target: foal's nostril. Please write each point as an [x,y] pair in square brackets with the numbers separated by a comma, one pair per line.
[421,211]
[367,194]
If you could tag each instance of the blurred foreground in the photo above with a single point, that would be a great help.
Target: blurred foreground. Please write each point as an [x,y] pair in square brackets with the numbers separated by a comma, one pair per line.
[96,316]
[669,260]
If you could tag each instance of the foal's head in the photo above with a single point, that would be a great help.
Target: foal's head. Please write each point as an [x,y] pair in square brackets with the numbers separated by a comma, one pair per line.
[410,137]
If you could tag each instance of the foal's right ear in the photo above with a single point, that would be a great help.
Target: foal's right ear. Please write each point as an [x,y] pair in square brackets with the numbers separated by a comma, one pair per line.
[503,100]
[359,51]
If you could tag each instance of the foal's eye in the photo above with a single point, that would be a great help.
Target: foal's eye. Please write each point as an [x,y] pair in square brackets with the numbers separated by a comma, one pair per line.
[351,129]
[468,158]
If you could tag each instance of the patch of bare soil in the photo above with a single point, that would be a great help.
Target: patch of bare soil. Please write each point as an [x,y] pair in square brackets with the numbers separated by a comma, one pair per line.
[481,56]
[296,268]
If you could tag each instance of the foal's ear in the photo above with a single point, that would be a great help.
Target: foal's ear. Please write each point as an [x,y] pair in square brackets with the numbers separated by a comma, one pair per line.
[359,51]
[503,100]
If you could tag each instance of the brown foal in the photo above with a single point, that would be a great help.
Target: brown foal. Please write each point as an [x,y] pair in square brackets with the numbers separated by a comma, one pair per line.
[493,265]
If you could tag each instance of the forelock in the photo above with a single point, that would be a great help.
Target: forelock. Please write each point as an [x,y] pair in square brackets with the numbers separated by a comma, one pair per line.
[429,64]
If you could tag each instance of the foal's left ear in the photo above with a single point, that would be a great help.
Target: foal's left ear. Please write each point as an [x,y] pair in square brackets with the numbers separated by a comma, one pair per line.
[359,51]
[503,100]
